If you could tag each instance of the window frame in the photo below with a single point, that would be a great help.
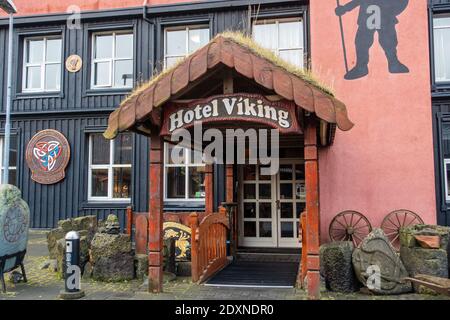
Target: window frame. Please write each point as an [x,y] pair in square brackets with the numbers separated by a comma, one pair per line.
[2,139]
[277,21]
[111,61]
[434,28]
[185,28]
[110,167]
[188,164]
[42,65]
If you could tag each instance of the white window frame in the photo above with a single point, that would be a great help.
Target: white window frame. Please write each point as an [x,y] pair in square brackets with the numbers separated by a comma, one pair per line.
[111,61]
[110,167]
[447,27]
[446,163]
[278,48]
[42,65]
[1,160]
[188,164]
[186,46]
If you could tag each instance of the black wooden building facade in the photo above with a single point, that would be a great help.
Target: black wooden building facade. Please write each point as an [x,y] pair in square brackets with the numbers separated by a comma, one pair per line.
[440,9]
[76,111]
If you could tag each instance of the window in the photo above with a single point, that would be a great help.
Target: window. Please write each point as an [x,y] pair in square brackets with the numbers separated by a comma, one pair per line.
[12,159]
[184,180]
[442,49]
[283,37]
[42,64]
[110,168]
[112,60]
[180,42]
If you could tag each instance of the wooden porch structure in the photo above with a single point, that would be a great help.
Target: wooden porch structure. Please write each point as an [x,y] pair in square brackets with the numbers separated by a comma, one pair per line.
[229,64]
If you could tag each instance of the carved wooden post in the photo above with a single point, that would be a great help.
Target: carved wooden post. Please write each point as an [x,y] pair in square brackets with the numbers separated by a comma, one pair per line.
[209,189]
[155,217]
[312,209]
[229,183]
[193,221]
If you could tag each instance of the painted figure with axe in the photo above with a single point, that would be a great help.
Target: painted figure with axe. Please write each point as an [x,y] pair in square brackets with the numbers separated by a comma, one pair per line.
[374,16]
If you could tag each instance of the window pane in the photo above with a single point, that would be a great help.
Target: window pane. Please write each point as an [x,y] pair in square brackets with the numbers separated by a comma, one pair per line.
[249,210]
[265,191]
[265,210]
[33,78]
[12,151]
[287,229]
[287,211]
[176,42]
[100,183]
[265,229]
[249,191]
[291,35]
[100,149]
[249,229]
[124,46]
[35,53]
[52,76]
[196,156]
[196,183]
[286,190]
[123,73]
[176,183]
[171,61]
[442,22]
[197,39]
[53,50]
[123,146]
[175,154]
[442,52]
[102,74]
[12,176]
[293,56]
[286,172]
[103,46]
[122,183]
[266,35]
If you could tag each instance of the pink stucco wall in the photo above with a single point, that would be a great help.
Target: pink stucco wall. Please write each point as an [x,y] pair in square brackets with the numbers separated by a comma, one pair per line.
[386,161]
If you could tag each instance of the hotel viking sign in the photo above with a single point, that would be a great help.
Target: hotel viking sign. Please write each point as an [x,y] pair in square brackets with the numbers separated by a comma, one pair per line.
[240,108]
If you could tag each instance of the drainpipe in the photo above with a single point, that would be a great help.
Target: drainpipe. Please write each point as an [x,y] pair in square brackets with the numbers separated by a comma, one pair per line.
[144,12]
[8,102]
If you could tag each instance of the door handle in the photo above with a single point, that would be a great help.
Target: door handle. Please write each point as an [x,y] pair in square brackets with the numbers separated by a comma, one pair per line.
[278,204]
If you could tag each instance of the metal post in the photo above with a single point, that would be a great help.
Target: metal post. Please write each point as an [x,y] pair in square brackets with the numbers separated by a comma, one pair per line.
[8,102]
[71,266]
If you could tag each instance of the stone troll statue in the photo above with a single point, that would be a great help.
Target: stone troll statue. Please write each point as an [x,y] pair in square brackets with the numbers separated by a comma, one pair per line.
[14,223]
[374,16]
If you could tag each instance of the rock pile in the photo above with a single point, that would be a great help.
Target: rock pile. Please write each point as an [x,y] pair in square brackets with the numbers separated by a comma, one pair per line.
[424,251]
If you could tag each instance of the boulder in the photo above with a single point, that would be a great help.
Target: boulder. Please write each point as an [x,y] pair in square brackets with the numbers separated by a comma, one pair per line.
[52,238]
[376,253]
[337,268]
[431,262]
[408,235]
[112,257]
[88,269]
[141,265]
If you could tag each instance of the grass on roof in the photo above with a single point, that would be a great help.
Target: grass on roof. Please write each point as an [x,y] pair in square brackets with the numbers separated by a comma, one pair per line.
[254,47]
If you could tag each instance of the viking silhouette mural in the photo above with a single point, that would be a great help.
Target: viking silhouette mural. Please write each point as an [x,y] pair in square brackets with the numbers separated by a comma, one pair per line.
[374,16]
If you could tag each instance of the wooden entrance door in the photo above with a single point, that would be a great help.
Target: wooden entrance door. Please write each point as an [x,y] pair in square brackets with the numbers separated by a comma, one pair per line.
[270,206]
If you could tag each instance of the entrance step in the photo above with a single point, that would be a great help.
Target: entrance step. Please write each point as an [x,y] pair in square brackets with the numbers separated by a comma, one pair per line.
[267,257]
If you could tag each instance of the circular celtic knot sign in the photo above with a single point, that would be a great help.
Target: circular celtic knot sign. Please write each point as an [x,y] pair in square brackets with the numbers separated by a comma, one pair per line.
[15,224]
[48,154]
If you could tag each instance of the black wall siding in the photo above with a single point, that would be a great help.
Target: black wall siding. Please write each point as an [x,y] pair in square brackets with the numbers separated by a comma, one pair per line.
[77,110]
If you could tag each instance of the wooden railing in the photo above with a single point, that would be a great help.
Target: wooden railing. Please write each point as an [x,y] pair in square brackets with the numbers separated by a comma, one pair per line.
[209,244]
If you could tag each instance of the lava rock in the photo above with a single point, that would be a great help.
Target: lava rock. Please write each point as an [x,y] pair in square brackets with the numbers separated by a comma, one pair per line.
[112,225]
[112,257]
[337,268]
[375,251]
[431,262]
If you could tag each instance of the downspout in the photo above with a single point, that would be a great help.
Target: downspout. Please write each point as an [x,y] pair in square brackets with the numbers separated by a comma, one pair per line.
[151,22]
[8,102]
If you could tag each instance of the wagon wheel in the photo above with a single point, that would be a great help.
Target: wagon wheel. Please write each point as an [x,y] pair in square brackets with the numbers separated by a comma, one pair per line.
[395,221]
[349,226]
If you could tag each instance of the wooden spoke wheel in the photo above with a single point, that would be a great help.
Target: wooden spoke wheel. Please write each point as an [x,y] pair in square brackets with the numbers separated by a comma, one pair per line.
[349,226]
[395,221]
